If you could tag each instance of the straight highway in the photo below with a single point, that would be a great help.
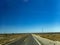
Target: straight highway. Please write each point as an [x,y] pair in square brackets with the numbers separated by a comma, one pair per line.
[33,39]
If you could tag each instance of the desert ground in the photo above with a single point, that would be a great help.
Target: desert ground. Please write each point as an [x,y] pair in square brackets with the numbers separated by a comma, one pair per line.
[28,38]
[7,38]
[51,36]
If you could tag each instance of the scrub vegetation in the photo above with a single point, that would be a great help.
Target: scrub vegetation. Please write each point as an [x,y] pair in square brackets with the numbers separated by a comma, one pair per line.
[51,36]
[7,38]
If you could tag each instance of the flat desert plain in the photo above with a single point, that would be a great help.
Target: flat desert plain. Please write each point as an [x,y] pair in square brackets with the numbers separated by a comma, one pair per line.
[7,38]
[51,36]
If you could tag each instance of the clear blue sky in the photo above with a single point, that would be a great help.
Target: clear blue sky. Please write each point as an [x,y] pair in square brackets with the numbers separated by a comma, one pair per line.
[29,15]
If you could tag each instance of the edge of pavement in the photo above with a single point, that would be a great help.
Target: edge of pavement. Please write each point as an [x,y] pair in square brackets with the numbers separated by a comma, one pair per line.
[14,40]
[50,42]
[36,40]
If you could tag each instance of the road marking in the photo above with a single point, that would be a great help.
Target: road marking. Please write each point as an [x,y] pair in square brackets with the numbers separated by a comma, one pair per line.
[45,41]
[36,40]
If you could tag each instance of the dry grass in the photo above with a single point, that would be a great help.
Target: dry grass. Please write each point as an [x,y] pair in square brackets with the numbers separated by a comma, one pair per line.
[6,38]
[51,36]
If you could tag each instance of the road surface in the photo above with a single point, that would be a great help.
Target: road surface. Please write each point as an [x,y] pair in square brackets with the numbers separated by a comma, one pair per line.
[33,39]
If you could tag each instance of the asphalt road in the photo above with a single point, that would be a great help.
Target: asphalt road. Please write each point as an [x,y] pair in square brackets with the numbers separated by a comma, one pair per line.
[33,40]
